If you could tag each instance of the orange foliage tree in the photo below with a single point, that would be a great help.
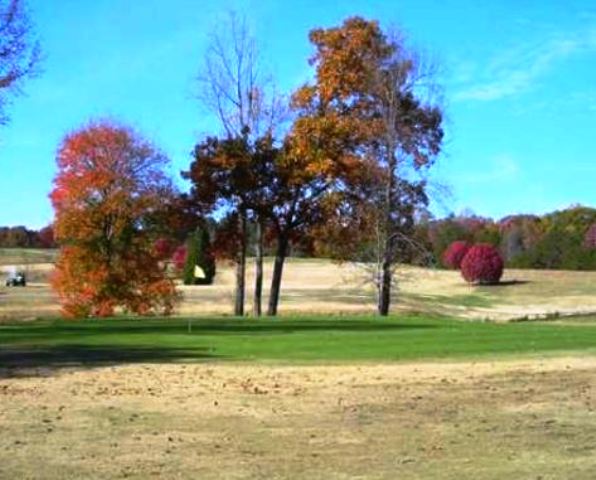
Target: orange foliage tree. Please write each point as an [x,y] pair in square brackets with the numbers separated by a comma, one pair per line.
[369,120]
[110,181]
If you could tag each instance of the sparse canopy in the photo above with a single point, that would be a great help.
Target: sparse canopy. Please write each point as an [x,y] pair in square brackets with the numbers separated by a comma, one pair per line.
[19,51]
[233,85]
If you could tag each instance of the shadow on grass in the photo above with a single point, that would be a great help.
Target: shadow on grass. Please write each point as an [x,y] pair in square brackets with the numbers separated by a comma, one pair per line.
[51,345]
[25,361]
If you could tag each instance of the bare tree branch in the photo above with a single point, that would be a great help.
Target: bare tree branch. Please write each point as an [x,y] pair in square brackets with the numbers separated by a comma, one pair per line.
[232,85]
[19,51]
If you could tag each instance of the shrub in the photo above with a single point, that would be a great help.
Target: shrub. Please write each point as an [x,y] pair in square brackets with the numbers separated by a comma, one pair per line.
[482,264]
[455,253]
[179,258]
[163,248]
[198,254]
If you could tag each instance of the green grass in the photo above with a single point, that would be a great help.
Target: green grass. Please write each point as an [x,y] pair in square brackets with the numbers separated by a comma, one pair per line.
[288,339]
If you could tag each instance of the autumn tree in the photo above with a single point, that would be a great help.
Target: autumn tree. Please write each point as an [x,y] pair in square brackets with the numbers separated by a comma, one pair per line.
[234,88]
[296,202]
[356,129]
[233,175]
[318,160]
[371,107]
[109,182]
[46,237]
[285,190]
[19,51]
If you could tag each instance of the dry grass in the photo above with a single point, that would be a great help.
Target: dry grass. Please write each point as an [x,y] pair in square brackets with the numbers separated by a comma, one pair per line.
[319,286]
[26,256]
[531,293]
[514,419]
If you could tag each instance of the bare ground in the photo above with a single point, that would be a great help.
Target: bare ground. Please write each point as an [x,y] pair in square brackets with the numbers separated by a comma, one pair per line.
[530,419]
[319,286]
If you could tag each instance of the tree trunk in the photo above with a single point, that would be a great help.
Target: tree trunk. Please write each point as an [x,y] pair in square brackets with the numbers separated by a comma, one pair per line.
[280,257]
[258,294]
[241,267]
[385,287]
[388,243]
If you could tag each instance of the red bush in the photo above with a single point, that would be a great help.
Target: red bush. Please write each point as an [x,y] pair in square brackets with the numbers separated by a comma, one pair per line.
[455,253]
[163,248]
[482,264]
[179,257]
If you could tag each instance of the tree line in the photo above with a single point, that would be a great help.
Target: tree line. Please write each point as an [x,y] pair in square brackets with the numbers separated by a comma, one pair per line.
[564,239]
[22,237]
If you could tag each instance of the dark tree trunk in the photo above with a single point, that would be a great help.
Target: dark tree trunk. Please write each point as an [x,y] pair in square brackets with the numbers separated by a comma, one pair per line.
[258,294]
[385,288]
[240,267]
[280,257]
[388,243]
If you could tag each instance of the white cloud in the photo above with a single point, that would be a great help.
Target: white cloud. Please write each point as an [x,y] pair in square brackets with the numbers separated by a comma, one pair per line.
[517,69]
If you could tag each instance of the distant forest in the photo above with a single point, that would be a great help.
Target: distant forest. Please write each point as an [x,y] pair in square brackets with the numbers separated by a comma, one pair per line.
[561,240]
[22,237]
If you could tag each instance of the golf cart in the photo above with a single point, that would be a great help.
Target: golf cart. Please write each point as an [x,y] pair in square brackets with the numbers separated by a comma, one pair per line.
[16,279]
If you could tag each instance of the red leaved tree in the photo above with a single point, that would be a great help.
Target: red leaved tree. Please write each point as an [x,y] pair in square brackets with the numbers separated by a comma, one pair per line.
[46,237]
[482,264]
[455,253]
[110,181]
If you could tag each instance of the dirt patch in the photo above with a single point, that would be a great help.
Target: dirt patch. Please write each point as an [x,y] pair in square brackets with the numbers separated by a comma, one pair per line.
[505,419]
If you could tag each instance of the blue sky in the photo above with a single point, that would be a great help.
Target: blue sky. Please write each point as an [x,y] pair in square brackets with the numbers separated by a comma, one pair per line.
[519,82]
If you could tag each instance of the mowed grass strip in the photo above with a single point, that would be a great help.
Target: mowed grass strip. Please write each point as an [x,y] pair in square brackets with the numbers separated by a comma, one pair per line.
[288,339]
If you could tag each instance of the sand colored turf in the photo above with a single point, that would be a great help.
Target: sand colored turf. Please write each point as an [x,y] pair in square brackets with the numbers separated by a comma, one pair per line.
[483,420]
[320,286]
